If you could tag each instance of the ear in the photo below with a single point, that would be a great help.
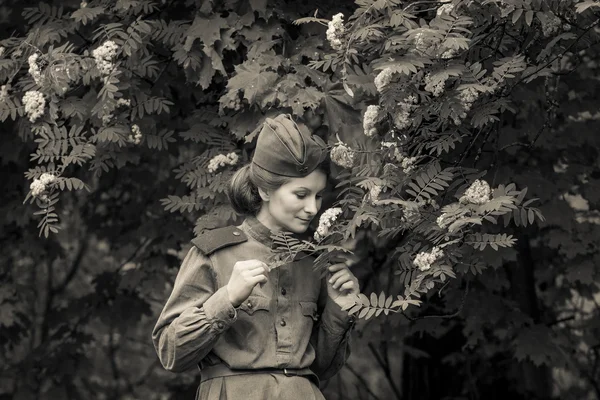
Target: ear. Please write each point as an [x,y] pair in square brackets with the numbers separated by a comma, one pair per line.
[264,195]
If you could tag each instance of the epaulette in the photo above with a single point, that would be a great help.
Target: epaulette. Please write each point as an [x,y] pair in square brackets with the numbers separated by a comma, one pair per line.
[211,240]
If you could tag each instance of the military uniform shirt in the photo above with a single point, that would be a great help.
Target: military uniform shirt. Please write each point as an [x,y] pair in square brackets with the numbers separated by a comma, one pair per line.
[288,322]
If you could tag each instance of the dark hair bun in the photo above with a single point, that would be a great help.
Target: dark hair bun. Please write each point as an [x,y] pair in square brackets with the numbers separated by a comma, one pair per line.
[243,193]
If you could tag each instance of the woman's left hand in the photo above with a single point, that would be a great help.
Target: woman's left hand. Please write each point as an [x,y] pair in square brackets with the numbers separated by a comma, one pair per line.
[342,285]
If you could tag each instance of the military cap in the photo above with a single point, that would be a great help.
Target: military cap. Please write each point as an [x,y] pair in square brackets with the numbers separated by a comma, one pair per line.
[285,149]
[212,240]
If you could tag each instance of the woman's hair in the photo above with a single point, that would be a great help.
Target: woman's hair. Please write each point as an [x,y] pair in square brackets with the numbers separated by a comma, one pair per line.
[243,187]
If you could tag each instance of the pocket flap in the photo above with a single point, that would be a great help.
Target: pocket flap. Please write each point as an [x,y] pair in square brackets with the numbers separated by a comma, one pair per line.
[254,303]
[309,309]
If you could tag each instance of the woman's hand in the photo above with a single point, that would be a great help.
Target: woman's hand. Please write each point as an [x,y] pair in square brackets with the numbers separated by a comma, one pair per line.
[245,275]
[342,285]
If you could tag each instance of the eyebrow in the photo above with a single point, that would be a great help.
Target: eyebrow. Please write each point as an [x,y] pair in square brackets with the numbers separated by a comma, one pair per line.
[305,188]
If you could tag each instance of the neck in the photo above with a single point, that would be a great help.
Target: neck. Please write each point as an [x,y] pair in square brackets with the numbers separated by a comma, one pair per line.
[265,218]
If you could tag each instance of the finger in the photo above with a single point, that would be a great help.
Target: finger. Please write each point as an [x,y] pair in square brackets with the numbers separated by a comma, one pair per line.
[335,276]
[348,285]
[256,271]
[258,279]
[340,280]
[337,267]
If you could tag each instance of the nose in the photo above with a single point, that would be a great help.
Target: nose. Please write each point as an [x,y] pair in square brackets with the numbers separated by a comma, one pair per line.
[311,207]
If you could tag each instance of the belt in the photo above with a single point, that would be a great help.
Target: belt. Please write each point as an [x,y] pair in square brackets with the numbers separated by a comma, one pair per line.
[222,370]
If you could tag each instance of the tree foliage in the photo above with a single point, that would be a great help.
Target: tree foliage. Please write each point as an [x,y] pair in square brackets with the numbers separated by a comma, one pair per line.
[139,111]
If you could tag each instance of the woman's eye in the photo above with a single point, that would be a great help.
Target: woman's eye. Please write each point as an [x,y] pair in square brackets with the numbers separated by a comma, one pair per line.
[300,195]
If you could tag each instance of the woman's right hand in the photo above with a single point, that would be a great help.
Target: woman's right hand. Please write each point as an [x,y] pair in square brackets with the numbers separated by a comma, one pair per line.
[245,275]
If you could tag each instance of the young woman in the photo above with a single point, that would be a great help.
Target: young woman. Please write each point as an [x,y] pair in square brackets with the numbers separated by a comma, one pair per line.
[257,333]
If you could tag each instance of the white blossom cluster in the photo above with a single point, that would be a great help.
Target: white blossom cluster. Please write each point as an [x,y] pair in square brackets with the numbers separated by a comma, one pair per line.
[2,51]
[445,9]
[343,156]
[421,44]
[448,54]
[136,134]
[104,56]
[335,31]
[468,96]
[34,103]
[220,160]
[370,120]
[4,91]
[39,186]
[124,102]
[383,78]
[83,4]
[444,220]
[424,260]
[411,215]
[434,86]
[550,24]
[374,193]
[327,219]
[402,116]
[34,68]
[407,163]
[478,193]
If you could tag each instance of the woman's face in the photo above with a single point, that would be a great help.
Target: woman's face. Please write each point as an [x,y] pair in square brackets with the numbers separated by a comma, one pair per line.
[293,205]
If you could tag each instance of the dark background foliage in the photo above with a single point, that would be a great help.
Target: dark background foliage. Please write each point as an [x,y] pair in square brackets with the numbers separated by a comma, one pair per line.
[77,307]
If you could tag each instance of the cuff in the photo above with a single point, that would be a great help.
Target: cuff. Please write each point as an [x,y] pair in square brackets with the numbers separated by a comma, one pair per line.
[335,319]
[219,310]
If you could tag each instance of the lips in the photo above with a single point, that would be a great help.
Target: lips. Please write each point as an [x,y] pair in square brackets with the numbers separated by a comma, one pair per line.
[304,220]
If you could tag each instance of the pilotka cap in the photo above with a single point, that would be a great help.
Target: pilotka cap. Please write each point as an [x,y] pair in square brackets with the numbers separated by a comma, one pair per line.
[285,149]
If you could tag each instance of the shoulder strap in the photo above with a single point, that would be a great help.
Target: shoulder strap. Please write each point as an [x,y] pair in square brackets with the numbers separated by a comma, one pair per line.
[212,240]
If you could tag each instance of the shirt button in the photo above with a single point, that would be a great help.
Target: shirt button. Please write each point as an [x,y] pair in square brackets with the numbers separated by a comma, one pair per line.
[282,323]
[249,304]
[220,325]
[236,233]
[283,292]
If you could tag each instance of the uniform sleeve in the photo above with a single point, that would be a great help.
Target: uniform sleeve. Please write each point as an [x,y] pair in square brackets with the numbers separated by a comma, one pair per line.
[331,336]
[195,315]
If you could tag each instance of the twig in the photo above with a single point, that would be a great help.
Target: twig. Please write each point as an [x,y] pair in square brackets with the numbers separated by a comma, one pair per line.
[386,370]
[363,381]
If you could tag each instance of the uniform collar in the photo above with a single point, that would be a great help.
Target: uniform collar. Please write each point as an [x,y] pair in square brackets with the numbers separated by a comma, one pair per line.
[255,229]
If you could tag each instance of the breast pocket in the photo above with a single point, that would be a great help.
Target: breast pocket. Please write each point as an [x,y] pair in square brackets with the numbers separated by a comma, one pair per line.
[309,309]
[254,304]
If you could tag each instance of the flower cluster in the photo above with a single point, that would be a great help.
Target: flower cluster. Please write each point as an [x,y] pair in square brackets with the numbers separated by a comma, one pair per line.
[136,134]
[468,96]
[449,54]
[39,186]
[327,219]
[4,91]
[435,86]
[34,103]
[478,193]
[343,156]
[83,4]
[104,56]
[445,9]
[370,120]
[124,102]
[383,78]
[335,30]
[424,260]
[220,160]
[402,117]
[34,68]
[550,24]
[2,50]
[375,192]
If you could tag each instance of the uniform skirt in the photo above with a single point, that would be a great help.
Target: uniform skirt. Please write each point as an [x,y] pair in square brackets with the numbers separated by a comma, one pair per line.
[259,387]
